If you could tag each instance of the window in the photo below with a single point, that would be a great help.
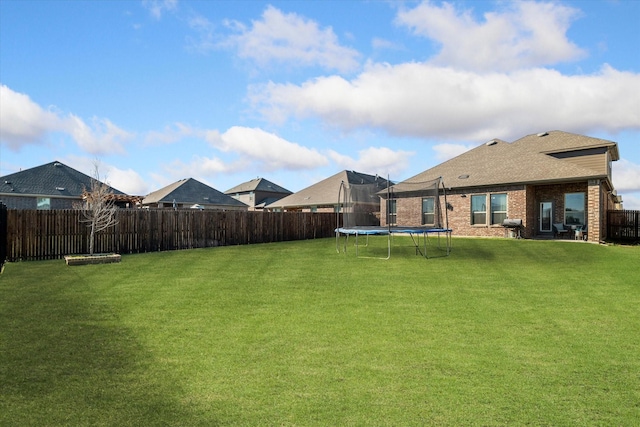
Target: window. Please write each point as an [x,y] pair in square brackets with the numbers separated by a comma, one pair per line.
[428,211]
[393,212]
[574,208]
[498,208]
[479,209]
[44,203]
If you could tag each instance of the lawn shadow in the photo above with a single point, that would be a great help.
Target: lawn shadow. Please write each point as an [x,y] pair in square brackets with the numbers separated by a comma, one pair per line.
[65,359]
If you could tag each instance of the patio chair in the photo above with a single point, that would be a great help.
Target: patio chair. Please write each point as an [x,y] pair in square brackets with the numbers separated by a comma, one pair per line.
[559,230]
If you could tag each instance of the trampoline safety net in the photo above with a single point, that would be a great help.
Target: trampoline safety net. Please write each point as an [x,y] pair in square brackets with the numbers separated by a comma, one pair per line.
[377,208]
[416,204]
[360,203]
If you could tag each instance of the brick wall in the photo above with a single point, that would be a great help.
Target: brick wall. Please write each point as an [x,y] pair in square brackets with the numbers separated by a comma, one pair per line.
[460,211]
[594,217]
[523,202]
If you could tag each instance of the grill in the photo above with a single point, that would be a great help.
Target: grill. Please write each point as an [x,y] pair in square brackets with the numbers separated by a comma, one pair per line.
[512,227]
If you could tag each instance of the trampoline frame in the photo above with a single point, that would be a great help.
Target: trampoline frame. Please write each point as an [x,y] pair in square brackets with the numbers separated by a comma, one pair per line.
[417,234]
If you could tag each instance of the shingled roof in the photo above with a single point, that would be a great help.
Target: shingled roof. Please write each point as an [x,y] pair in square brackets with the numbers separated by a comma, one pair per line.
[258,184]
[191,191]
[326,192]
[527,160]
[53,179]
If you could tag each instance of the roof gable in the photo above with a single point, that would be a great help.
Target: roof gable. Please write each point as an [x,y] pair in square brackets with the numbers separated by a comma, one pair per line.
[191,191]
[258,184]
[51,179]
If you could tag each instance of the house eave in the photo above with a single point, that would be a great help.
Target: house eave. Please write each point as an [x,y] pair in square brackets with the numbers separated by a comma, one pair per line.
[534,182]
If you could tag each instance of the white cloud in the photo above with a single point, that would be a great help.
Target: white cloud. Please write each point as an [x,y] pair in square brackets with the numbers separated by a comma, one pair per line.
[374,160]
[522,34]
[267,150]
[103,137]
[424,100]
[199,167]
[127,180]
[290,38]
[205,39]
[445,152]
[23,121]
[383,44]
[158,7]
[631,201]
[626,176]
[172,133]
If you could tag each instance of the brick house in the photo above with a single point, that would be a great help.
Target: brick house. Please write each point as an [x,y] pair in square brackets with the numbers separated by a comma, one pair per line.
[546,179]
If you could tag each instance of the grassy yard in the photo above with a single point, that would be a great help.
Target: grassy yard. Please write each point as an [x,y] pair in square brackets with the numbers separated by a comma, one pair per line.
[502,332]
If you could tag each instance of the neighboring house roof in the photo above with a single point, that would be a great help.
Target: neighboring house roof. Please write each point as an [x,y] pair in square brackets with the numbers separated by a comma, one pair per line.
[326,192]
[191,191]
[53,179]
[527,160]
[257,184]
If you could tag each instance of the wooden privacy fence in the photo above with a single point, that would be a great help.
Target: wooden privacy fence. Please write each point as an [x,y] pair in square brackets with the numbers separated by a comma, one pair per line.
[623,226]
[38,235]
[3,235]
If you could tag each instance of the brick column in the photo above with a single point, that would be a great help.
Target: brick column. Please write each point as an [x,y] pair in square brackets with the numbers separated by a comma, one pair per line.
[594,214]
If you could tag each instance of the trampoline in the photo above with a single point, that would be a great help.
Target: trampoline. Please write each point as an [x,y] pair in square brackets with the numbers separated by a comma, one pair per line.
[358,204]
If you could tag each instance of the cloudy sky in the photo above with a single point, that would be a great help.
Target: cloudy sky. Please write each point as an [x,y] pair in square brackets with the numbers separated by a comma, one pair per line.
[296,91]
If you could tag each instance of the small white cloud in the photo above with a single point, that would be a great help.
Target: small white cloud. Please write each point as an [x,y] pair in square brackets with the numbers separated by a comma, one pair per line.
[199,167]
[290,38]
[127,180]
[267,150]
[375,160]
[158,7]
[631,201]
[205,37]
[22,121]
[380,44]
[102,137]
[521,34]
[626,176]
[171,134]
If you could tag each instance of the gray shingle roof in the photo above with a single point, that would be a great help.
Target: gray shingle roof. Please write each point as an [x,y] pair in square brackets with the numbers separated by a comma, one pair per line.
[53,179]
[526,160]
[191,191]
[324,193]
[258,184]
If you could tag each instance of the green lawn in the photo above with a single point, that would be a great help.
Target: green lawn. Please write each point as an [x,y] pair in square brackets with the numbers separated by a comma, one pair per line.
[502,332]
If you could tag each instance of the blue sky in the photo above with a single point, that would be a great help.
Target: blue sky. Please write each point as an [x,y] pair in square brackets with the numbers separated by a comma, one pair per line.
[296,91]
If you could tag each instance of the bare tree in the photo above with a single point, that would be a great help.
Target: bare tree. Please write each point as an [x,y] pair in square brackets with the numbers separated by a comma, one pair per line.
[98,208]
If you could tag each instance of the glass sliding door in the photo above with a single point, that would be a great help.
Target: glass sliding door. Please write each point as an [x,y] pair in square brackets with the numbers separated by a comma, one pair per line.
[546,213]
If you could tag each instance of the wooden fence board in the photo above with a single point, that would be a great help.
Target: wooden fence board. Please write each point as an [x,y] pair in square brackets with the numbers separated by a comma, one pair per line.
[624,226]
[37,235]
